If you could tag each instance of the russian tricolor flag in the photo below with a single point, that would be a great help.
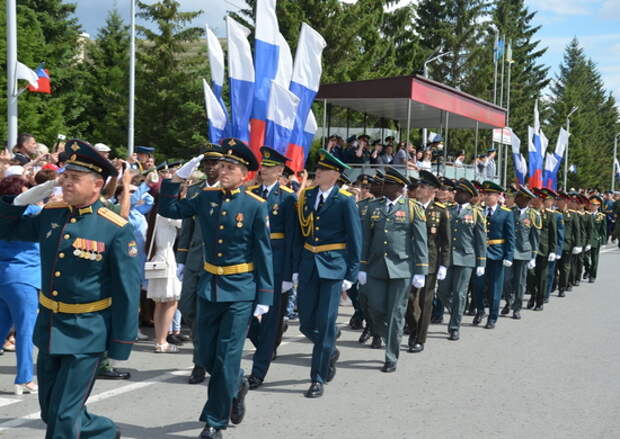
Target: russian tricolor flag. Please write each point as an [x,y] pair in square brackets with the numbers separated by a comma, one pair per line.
[266,62]
[535,152]
[43,81]
[305,85]
[241,75]
[215,114]
[216,64]
[280,117]
[519,161]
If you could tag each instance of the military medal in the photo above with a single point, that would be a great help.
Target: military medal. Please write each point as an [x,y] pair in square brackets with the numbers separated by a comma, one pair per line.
[275,209]
[433,230]
[239,219]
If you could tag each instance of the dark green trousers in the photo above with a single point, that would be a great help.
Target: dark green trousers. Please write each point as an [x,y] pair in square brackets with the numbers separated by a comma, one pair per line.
[537,280]
[519,279]
[453,293]
[564,269]
[420,307]
[188,303]
[65,381]
[593,262]
[387,303]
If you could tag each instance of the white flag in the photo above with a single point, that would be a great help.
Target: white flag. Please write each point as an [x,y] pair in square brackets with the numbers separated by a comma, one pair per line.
[560,146]
[23,72]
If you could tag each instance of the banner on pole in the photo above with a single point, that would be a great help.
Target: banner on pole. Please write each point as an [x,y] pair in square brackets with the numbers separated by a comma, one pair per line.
[503,135]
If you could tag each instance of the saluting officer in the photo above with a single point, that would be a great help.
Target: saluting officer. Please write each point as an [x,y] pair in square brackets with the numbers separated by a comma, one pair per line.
[237,275]
[527,234]
[190,255]
[265,332]
[394,256]
[439,243]
[89,299]
[599,236]
[468,227]
[572,237]
[327,256]
[500,252]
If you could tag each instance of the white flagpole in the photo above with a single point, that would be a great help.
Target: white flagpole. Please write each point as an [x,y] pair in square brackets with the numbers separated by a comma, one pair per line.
[132,79]
[11,62]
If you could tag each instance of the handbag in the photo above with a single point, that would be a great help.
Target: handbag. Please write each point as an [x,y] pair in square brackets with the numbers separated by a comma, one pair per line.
[155,269]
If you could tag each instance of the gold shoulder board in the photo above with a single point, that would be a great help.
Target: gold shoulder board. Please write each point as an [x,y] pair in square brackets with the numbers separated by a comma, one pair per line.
[112,217]
[345,192]
[256,197]
[506,209]
[287,189]
[437,203]
[56,205]
[211,188]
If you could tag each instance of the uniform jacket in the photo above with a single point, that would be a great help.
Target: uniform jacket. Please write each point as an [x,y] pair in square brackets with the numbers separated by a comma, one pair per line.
[439,231]
[190,248]
[500,234]
[235,230]
[527,233]
[87,255]
[548,233]
[572,230]
[469,236]
[336,223]
[559,221]
[395,243]
[599,229]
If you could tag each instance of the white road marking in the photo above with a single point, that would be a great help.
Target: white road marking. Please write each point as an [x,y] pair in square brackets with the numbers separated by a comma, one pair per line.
[8,401]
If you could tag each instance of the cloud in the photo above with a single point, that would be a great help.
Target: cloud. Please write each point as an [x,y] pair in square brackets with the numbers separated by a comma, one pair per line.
[564,7]
[610,9]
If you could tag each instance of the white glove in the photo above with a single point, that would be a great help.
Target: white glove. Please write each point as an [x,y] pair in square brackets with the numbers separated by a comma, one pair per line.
[35,194]
[442,272]
[295,278]
[507,263]
[551,257]
[260,310]
[362,278]
[576,250]
[479,271]
[418,280]
[558,256]
[188,168]
[286,285]
[346,285]
[588,247]
[532,264]
[180,271]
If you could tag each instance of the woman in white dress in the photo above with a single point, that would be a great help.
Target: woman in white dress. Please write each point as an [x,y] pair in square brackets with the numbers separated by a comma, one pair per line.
[165,291]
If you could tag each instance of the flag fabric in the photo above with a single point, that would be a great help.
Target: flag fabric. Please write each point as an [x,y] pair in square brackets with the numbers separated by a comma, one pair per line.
[284,73]
[537,145]
[216,64]
[241,75]
[215,114]
[280,117]
[509,59]
[27,74]
[309,131]
[549,174]
[43,81]
[499,49]
[305,82]
[617,168]
[520,166]
[266,54]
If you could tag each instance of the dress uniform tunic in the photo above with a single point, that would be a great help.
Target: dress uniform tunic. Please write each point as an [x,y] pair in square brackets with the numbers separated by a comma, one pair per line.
[584,238]
[598,237]
[238,274]
[572,238]
[548,244]
[552,272]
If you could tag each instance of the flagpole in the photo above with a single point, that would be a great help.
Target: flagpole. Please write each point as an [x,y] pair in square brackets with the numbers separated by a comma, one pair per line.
[567,143]
[613,163]
[495,62]
[11,62]
[507,109]
[132,80]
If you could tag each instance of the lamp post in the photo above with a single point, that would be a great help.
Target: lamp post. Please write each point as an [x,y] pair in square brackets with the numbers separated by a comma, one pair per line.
[426,63]
[613,163]
[11,62]
[566,155]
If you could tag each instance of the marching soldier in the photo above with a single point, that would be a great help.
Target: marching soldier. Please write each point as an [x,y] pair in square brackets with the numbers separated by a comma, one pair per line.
[327,257]
[468,227]
[527,231]
[395,250]
[572,236]
[89,299]
[500,251]
[439,243]
[547,248]
[577,261]
[550,205]
[190,257]
[265,333]
[599,236]
[237,275]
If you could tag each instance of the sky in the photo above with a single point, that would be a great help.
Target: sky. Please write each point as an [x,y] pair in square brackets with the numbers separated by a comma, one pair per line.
[595,23]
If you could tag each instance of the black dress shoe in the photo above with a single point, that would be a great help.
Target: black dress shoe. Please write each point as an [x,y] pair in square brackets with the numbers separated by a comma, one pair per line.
[454,335]
[174,339]
[356,323]
[538,308]
[530,303]
[516,315]
[197,376]
[210,433]
[255,382]
[388,367]
[237,412]
[376,342]
[569,288]
[437,320]
[561,294]
[331,373]
[477,318]
[315,390]
[591,280]
[118,434]
[417,347]
[338,333]
[505,310]
[113,374]
[364,336]
[489,325]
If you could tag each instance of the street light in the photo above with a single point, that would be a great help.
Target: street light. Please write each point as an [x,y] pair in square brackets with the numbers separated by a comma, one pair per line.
[566,155]
[426,63]
[613,163]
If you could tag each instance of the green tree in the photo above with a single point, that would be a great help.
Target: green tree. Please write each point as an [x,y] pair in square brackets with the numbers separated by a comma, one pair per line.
[171,63]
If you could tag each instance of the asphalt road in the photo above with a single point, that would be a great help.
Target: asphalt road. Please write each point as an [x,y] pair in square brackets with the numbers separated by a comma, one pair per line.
[553,374]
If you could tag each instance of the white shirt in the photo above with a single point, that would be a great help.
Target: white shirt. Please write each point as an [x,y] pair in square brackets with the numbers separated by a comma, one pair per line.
[493,209]
[460,207]
[389,202]
[523,210]
[269,188]
[426,204]
[325,195]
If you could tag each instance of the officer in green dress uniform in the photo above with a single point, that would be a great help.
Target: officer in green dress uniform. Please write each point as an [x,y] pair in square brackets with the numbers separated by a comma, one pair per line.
[527,235]
[91,286]
[550,205]
[189,255]
[439,235]
[237,275]
[577,262]
[394,256]
[265,333]
[572,237]
[547,248]
[326,261]
[599,236]
[468,251]
[589,226]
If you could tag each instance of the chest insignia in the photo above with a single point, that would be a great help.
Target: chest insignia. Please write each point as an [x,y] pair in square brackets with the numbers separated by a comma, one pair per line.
[239,219]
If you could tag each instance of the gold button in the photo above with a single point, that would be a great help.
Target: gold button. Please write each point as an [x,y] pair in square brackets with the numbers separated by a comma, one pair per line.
[385,242]
[219,255]
[220,270]
[67,236]
[219,241]
[316,239]
[54,293]
[57,274]
[61,255]
[73,220]
[221,227]
[384,254]
[224,212]
[316,228]
[386,231]
[318,217]
[227,200]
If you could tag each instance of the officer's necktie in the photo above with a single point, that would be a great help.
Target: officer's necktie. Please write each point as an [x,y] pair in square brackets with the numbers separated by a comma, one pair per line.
[321,200]
[458,210]
[389,208]
[265,192]
[489,211]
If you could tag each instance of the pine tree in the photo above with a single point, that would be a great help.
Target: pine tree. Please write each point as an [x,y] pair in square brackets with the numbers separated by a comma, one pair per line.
[171,63]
